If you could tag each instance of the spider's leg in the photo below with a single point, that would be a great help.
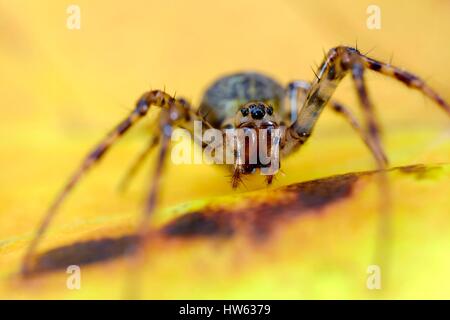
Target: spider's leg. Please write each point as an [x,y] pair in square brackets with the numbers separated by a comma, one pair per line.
[168,121]
[156,98]
[335,66]
[319,92]
[167,125]
[407,78]
[372,126]
[338,62]
[297,92]
[351,119]
[178,114]
[137,250]
[373,134]
[150,204]
[137,164]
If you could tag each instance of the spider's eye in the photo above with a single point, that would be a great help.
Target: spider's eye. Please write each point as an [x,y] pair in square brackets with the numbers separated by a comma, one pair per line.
[244,112]
[257,111]
[270,110]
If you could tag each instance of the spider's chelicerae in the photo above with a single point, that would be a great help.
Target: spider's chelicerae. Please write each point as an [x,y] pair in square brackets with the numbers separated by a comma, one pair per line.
[253,100]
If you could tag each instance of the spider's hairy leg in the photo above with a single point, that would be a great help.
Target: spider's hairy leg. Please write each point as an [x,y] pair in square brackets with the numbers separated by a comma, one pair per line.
[373,133]
[334,67]
[166,132]
[351,119]
[372,126]
[137,163]
[319,93]
[338,62]
[140,159]
[168,121]
[297,92]
[407,78]
[151,98]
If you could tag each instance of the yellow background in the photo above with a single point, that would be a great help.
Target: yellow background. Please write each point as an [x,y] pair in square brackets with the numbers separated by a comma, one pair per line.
[61,90]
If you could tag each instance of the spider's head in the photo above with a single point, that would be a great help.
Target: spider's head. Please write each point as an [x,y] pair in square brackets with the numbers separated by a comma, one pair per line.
[256,137]
[256,115]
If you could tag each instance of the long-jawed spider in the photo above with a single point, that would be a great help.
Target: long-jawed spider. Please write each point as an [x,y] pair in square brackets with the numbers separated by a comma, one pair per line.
[251,100]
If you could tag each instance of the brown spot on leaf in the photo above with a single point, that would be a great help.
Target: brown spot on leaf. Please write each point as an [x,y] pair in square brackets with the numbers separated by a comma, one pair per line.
[258,217]
[255,216]
[420,171]
[82,253]
[199,224]
[318,193]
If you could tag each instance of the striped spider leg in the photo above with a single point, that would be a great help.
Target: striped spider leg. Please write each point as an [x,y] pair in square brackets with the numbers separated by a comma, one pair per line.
[338,62]
[136,165]
[297,92]
[174,112]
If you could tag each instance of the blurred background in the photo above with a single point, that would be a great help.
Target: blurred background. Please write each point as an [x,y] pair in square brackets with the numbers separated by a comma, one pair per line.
[61,90]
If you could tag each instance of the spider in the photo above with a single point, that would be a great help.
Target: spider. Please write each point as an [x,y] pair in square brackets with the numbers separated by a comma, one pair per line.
[251,100]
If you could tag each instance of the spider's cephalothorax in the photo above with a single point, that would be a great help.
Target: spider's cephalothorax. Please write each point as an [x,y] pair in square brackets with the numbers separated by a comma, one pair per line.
[225,97]
[252,101]
[247,100]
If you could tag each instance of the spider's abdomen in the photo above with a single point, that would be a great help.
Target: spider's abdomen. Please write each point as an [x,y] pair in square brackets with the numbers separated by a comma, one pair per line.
[226,95]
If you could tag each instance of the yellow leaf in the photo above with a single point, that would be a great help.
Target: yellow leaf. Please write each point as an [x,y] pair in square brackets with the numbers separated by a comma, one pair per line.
[61,90]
